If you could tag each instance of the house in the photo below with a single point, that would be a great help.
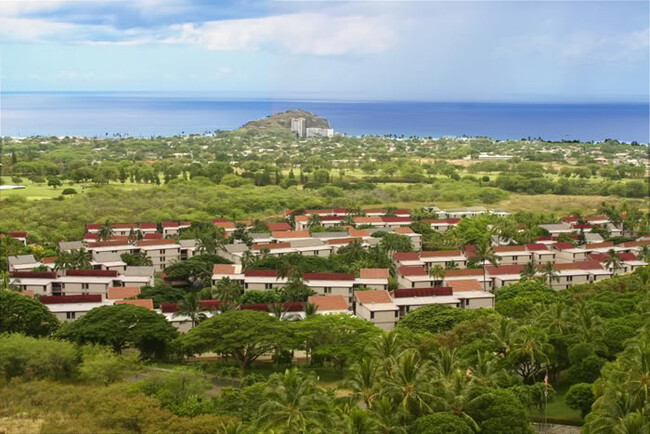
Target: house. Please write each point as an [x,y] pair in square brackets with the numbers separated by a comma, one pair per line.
[189,248]
[137,276]
[278,227]
[416,277]
[513,254]
[503,275]
[71,307]
[22,263]
[577,273]
[410,299]
[148,228]
[458,213]
[396,222]
[122,292]
[468,273]
[541,254]
[330,284]
[330,304]
[108,261]
[416,239]
[170,229]
[442,225]
[19,236]
[263,279]
[84,282]
[66,246]
[228,227]
[557,228]
[377,307]
[147,303]
[566,253]
[471,294]
[372,278]
[327,236]
[444,258]
[230,271]
[162,253]
[376,222]
[36,282]
[629,262]
[233,252]
[311,247]
[407,259]
[286,236]
[183,323]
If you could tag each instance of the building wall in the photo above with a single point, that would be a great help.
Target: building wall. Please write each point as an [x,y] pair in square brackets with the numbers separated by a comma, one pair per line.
[562,257]
[477,303]
[78,288]
[163,257]
[385,320]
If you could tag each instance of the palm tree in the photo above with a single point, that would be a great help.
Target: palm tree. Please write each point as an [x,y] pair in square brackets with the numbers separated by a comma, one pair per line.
[314,221]
[191,306]
[644,253]
[81,259]
[278,310]
[228,290]
[105,232]
[63,260]
[389,420]
[548,272]
[353,252]
[487,371]
[293,403]
[502,334]
[613,261]
[364,381]
[456,394]
[386,348]
[529,271]
[446,362]
[408,384]
[529,233]
[530,350]
[310,310]
[451,265]
[358,421]
[555,318]
[437,272]
[483,255]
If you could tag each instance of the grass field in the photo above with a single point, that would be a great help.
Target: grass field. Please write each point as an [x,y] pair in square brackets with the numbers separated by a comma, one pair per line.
[34,191]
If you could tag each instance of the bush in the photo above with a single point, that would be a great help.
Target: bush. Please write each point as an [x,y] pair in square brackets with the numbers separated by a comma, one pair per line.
[27,357]
[69,191]
[580,397]
[435,318]
[441,423]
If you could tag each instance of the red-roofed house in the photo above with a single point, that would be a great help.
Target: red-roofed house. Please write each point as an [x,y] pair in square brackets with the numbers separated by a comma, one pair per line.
[377,307]
[147,303]
[373,278]
[541,253]
[444,258]
[407,259]
[442,225]
[71,307]
[122,292]
[330,304]
[18,235]
[503,275]
[416,277]
[409,299]
[279,227]
[163,253]
[578,273]
[513,254]
[230,271]
[330,284]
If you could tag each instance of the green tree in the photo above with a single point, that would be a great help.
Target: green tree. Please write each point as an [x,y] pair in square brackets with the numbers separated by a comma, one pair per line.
[191,306]
[121,326]
[580,397]
[100,364]
[243,334]
[483,255]
[435,318]
[22,314]
[613,261]
[228,290]
[105,233]
[441,423]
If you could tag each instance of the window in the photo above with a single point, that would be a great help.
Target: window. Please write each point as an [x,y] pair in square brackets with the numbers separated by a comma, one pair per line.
[245,285]
[514,258]
[85,286]
[396,313]
[569,278]
[467,303]
[372,315]
[162,252]
[328,290]
[412,284]
[70,315]
[268,286]
[162,259]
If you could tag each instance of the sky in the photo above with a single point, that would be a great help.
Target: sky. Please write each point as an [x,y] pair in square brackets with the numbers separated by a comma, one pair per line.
[518,51]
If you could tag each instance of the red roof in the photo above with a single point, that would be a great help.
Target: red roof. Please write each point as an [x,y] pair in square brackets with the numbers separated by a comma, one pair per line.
[628,256]
[94,225]
[329,302]
[504,269]
[637,243]
[261,273]
[465,285]
[599,245]
[122,292]
[396,219]
[205,305]
[59,299]
[148,226]
[91,273]
[412,271]
[563,245]
[584,265]
[536,247]
[406,256]
[276,227]
[423,292]
[90,236]
[577,226]
[155,242]
[374,273]
[153,236]
[219,220]
[328,276]
[17,234]
[272,246]
[33,274]
[147,303]
[331,218]
[169,224]
[372,297]
[448,221]
[296,306]
[545,238]
[223,269]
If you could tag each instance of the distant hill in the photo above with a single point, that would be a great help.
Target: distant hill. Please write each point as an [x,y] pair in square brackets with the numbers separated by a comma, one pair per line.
[282,121]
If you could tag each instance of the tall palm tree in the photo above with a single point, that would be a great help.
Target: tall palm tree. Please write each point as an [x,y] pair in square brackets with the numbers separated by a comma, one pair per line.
[503,331]
[549,274]
[63,260]
[228,290]
[644,253]
[456,394]
[613,261]
[530,351]
[353,252]
[451,265]
[446,362]
[488,370]
[81,259]
[529,271]
[386,348]
[389,420]
[364,382]
[191,306]
[437,272]
[278,310]
[293,403]
[483,255]
[555,318]
[408,384]
[105,232]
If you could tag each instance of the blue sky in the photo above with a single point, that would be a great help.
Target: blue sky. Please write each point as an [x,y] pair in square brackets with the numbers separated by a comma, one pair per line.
[363,50]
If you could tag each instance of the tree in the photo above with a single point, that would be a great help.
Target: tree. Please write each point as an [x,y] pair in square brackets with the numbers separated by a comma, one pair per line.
[613,261]
[483,255]
[161,294]
[42,358]
[530,351]
[121,326]
[136,259]
[228,290]
[580,397]
[54,182]
[435,318]
[100,364]
[294,403]
[243,334]
[191,306]
[498,411]
[105,233]
[437,272]
[529,271]
[22,314]
[441,423]
[395,243]
[363,380]
[644,253]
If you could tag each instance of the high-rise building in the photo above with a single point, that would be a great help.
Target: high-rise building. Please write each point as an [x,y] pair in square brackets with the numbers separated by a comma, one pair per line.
[299,126]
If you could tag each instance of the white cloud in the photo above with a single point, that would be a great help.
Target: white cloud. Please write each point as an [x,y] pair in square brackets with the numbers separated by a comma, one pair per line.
[305,33]
[30,29]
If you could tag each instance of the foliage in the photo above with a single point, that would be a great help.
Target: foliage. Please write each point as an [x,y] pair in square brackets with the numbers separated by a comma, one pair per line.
[434,318]
[441,423]
[22,314]
[101,365]
[580,397]
[28,357]
[517,300]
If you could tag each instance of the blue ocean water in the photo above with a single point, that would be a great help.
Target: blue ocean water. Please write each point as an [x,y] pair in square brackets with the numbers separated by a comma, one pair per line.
[146,114]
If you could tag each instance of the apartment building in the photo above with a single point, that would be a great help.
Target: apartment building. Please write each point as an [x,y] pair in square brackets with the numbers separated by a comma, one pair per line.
[376,307]
[162,253]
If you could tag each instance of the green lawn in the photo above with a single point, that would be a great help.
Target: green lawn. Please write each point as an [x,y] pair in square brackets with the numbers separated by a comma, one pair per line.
[558,410]
[34,191]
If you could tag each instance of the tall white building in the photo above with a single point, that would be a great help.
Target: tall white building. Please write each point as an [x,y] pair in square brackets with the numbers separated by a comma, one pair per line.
[320,132]
[299,126]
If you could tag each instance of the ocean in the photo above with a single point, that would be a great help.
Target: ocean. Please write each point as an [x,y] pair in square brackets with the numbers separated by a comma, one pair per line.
[101,114]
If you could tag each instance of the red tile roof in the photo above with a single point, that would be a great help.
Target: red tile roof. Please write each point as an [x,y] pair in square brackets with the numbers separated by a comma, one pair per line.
[60,299]
[584,265]
[599,245]
[504,269]
[505,249]
[147,303]
[94,225]
[49,259]
[406,256]
[637,243]
[291,234]
[261,273]
[121,292]
[396,219]
[536,247]
[412,271]
[153,236]
[148,226]
[404,230]
[328,276]
[359,232]
[278,227]
[365,220]
[329,302]
[465,285]
[373,297]
[434,291]
[439,253]
[342,240]
[374,273]
[272,246]
[33,274]
[17,234]
[223,269]
[563,246]
[225,225]
[91,273]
